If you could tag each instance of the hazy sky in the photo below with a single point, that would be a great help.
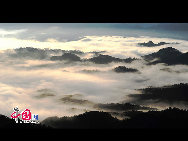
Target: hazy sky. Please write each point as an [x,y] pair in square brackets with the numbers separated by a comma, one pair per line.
[14,35]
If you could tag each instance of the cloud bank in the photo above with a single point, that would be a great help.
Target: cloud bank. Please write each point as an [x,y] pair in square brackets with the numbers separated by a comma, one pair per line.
[61,88]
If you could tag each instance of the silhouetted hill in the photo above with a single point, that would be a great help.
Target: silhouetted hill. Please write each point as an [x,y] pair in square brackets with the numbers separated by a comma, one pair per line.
[123,69]
[172,93]
[97,52]
[76,52]
[67,57]
[169,55]
[37,53]
[30,52]
[88,120]
[169,118]
[105,59]
[7,123]
[151,44]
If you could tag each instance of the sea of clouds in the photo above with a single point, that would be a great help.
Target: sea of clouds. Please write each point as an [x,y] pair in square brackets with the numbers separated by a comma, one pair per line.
[56,88]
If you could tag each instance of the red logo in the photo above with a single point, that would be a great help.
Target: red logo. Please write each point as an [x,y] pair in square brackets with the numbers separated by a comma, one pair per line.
[26,115]
[14,115]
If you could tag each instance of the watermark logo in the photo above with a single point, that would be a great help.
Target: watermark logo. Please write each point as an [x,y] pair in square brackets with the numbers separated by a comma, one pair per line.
[26,116]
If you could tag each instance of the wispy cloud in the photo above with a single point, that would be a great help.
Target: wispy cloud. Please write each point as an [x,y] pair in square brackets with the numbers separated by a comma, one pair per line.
[5,33]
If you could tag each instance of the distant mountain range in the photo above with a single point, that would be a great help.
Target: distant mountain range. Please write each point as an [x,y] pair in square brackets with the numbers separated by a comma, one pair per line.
[66,55]
[169,55]
[99,59]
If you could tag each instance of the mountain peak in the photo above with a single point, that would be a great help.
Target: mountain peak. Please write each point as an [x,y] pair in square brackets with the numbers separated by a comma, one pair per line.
[170,50]
[167,55]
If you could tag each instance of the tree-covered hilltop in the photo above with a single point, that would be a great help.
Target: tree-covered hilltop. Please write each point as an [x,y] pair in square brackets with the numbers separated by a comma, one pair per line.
[123,69]
[105,59]
[7,123]
[169,56]
[89,120]
[66,57]
[151,44]
[171,94]
[169,118]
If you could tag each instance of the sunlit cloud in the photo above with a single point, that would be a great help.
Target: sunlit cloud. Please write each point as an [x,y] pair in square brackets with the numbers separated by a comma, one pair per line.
[3,32]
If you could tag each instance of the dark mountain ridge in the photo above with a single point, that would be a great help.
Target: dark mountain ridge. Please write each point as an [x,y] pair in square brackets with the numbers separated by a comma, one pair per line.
[88,120]
[169,56]
[105,59]
[151,44]
[67,57]
[7,123]
[170,118]
[171,94]
[123,69]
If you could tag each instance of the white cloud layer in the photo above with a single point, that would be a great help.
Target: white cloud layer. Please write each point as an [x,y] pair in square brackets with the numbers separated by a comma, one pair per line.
[22,78]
